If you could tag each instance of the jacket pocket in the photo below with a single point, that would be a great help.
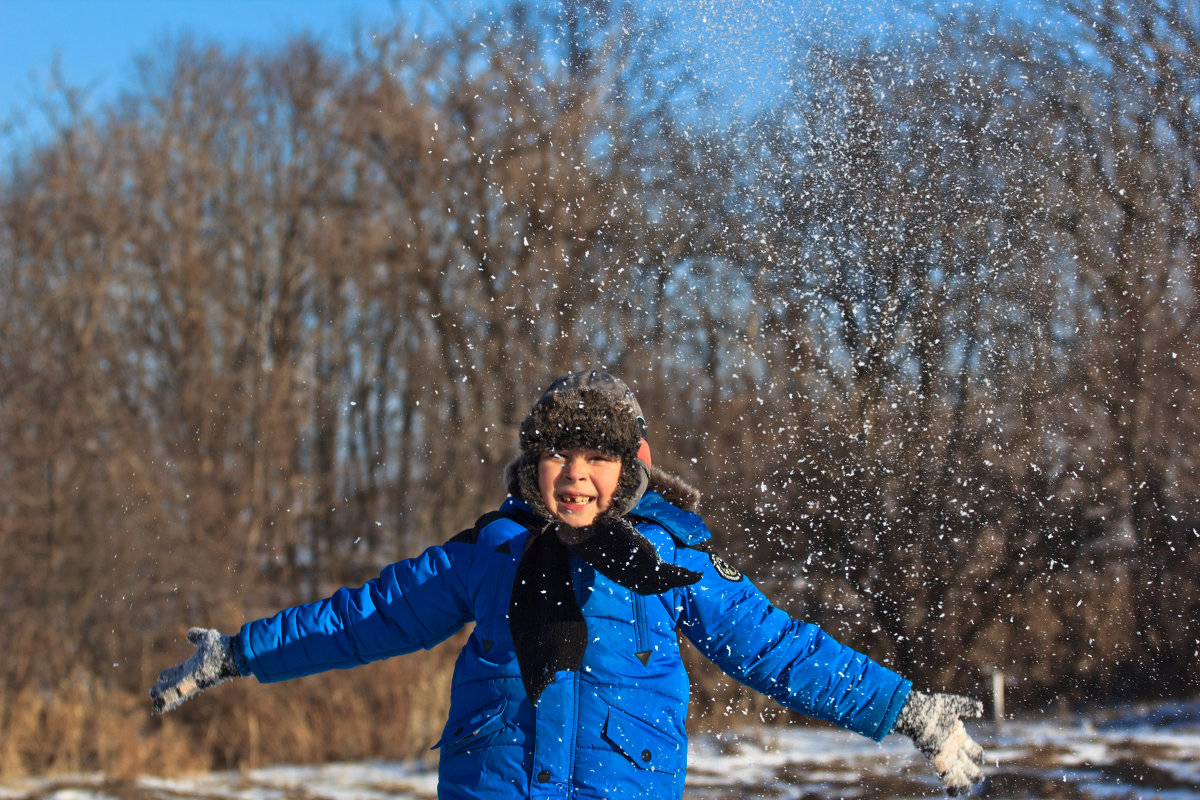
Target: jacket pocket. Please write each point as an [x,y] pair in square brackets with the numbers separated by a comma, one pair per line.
[472,729]
[642,743]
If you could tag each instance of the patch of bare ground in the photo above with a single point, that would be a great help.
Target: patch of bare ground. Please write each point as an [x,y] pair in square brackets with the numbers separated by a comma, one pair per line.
[802,772]
[1138,750]
[1020,785]
[1041,757]
[1127,762]
[889,787]
[1142,774]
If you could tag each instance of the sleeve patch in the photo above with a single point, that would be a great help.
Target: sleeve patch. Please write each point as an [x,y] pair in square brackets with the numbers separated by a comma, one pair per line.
[724,569]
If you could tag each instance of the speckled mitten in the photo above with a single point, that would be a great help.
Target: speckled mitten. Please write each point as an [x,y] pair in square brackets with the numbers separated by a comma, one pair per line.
[212,663]
[935,724]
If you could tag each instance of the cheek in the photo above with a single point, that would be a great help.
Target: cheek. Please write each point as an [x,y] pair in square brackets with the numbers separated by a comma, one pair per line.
[606,486]
[546,476]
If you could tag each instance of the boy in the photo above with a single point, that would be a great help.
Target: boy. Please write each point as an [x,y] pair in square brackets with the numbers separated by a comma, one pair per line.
[571,684]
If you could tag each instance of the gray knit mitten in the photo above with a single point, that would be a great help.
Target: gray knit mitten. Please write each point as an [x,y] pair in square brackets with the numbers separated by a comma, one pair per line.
[212,663]
[934,723]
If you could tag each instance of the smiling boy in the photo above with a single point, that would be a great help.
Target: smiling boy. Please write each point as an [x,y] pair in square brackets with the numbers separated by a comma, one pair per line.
[578,485]
[571,684]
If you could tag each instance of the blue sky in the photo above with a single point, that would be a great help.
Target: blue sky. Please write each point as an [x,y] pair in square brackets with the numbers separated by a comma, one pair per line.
[95,42]
[97,39]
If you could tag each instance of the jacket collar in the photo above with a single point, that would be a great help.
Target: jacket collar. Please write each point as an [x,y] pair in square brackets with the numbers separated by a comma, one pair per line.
[685,526]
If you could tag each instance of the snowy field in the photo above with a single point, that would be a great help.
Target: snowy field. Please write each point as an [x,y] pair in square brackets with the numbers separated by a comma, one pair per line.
[1150,752]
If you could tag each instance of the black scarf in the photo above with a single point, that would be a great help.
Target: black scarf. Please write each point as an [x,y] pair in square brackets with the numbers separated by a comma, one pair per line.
[548,629]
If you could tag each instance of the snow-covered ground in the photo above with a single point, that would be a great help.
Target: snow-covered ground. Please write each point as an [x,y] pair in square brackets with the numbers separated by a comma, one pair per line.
[1143,752]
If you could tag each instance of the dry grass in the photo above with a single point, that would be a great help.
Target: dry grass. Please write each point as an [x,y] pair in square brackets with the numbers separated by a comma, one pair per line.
[391,709]
[84,726]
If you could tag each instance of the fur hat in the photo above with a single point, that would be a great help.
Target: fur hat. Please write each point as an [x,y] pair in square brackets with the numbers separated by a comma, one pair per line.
[589,409]
[564,417]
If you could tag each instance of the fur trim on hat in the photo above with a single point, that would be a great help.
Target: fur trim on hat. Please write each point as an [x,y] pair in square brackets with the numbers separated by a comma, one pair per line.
[584,418]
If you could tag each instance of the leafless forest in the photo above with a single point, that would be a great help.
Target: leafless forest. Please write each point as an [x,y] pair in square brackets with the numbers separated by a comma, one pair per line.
[925,332]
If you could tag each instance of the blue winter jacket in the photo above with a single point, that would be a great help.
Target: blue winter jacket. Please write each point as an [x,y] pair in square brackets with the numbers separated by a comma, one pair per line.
[614,729]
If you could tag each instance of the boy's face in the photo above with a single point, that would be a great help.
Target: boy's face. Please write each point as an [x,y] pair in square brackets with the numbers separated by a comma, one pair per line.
[578,485]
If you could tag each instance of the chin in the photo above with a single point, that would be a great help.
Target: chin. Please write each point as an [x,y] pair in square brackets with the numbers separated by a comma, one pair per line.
[577,519]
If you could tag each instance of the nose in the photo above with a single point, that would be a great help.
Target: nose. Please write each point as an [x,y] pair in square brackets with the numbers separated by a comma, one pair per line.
[573,469]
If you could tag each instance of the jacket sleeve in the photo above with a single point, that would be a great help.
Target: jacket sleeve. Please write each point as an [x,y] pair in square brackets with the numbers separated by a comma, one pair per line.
[413,604]
[796,663]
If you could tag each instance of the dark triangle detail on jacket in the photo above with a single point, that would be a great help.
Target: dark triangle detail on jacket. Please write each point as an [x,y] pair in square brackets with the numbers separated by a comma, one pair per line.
[466,536]
[644,657]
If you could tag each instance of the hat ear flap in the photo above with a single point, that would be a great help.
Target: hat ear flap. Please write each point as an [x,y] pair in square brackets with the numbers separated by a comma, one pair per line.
[522,477]
[512,476]
[635,478]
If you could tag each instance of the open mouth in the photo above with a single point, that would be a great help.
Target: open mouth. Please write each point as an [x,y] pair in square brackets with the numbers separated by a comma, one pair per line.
[574,502]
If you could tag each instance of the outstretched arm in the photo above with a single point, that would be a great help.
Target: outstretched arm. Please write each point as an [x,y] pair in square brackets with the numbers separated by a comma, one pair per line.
[935,724]
[805,669]
[414,603]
